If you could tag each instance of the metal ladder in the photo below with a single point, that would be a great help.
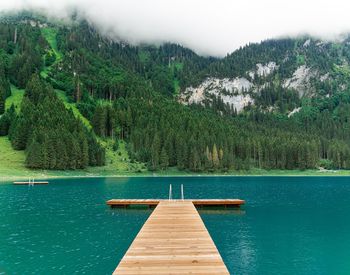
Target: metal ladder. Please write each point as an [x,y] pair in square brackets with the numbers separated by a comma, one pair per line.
[171,193]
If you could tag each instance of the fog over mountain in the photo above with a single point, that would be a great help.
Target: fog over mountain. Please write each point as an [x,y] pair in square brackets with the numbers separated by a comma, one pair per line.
[208,27]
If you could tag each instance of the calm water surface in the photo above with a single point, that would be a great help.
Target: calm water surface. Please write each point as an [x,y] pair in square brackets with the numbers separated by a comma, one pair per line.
[290,225]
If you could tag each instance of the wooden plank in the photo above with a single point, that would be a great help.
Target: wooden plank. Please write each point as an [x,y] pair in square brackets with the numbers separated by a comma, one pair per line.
[154,202]
[121,202]
[218,202]
[174,240]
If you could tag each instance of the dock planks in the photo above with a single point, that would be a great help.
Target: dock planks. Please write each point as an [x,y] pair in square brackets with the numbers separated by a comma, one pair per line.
[154,202]
[174,240]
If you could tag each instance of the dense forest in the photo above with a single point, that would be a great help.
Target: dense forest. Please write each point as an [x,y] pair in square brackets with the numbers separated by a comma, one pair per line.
[129,93]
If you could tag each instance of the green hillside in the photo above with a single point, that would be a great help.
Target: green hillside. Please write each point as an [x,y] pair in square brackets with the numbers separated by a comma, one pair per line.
[11,161]
[87,105]
[15,99]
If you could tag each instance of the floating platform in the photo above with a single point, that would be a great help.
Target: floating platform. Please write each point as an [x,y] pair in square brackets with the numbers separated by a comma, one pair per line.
[30,182]
[174,240]
[154,202]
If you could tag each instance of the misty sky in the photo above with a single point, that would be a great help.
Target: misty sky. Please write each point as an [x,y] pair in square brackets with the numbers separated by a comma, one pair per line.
[210,27]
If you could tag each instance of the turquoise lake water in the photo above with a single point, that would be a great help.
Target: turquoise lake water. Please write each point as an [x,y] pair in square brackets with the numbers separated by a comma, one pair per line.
[290,225]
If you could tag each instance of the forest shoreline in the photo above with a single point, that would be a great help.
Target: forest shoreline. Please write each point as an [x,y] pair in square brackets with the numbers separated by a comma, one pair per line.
[40,175]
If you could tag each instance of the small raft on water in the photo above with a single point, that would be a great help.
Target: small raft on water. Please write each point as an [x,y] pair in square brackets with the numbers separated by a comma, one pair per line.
[30,182]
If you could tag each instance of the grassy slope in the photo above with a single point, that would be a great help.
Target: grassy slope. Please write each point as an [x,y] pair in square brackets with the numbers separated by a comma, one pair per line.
[12,165]
[117,162]
[10,160]
[50,36]
[15,98]
[73,107]
[178,66]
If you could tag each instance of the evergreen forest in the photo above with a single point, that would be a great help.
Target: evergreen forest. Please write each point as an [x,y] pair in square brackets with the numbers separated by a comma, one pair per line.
[130,94]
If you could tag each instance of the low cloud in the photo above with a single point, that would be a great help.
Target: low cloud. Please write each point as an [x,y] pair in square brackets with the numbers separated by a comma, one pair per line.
[208,27]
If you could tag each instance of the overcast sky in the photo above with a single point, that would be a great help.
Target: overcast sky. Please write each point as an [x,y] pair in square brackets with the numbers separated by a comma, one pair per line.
[210,27]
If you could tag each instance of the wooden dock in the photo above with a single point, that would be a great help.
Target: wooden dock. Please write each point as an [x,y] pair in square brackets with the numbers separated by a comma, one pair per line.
[174,240]
[30,182]
[154,202]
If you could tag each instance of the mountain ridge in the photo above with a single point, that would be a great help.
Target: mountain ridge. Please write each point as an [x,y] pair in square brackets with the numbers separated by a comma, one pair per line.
[136,95]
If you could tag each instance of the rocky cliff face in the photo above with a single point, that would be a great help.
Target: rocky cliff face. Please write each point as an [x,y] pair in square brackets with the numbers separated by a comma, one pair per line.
[239,92]
[234,92]
[305,67]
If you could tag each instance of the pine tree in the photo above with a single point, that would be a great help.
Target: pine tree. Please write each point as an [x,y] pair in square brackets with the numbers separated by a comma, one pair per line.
[20,132]
[216,162]
[4,124]
[61,155]
[44,160]
[164,160]
[2,102]
[110,121]
[51,155]
[35,89]
[155,151]
[34,156]
[99,121]
[84,152]
[73,152]
[181,152]
[195,161]
[128,121]
[77,89]
[208,158]
[221,154]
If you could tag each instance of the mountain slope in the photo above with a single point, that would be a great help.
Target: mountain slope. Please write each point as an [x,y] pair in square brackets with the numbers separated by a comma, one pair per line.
[289,69]
[280,104]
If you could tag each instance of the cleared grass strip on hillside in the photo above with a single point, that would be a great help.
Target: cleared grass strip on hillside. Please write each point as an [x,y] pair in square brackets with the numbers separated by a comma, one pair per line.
[15,98]
[50,35]
[73,107]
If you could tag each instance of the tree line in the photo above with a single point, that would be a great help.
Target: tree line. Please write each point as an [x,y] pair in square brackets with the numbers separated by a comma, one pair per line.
[163,134]
[49,133]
